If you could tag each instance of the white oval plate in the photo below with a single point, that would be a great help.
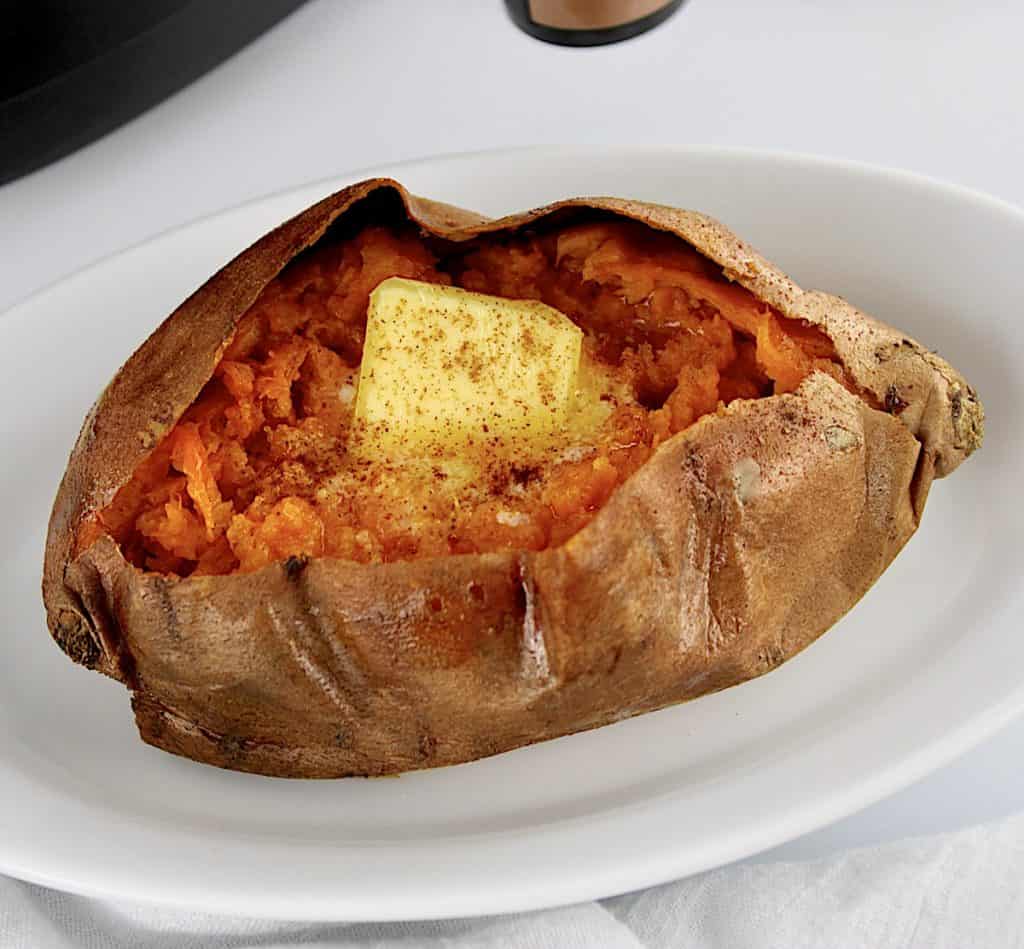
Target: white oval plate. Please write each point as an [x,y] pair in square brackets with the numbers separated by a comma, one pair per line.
[929,663]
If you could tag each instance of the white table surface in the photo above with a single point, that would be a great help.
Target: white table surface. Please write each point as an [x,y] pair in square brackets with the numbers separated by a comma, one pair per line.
[936,87]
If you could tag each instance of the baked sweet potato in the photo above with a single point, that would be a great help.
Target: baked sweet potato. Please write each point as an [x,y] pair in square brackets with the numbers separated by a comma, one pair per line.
[774,455]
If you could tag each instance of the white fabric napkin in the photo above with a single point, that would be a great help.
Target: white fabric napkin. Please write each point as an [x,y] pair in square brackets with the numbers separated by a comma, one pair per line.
[954,891]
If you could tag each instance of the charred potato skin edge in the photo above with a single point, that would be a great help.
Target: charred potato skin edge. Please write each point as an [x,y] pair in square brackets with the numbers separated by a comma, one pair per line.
[695,576]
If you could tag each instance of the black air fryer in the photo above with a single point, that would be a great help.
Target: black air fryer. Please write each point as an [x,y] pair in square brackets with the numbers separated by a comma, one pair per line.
[73,70]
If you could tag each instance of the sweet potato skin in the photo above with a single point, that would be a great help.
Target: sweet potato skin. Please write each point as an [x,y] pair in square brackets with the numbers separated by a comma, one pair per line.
[711,565]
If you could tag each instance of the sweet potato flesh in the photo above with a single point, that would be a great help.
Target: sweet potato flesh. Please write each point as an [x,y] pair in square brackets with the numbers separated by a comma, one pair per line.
[257,470]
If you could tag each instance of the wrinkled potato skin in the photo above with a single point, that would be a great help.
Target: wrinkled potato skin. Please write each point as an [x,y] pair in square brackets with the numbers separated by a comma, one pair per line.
[712,564]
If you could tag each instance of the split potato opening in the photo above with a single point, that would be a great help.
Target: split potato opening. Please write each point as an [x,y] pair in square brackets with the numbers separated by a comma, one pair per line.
[394,396]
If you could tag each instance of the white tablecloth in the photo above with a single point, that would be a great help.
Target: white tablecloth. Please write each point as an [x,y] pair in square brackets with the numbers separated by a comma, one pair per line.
[932,86]
[954,891]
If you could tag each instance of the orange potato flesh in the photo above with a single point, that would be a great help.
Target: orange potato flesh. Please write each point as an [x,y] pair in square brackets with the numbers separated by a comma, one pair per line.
[247,477]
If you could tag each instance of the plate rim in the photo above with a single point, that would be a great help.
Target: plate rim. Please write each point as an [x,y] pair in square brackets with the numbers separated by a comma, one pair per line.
[899,773]
[336,181]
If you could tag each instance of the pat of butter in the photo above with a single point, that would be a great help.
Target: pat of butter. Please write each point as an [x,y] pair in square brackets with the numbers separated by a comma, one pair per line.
[444,368]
